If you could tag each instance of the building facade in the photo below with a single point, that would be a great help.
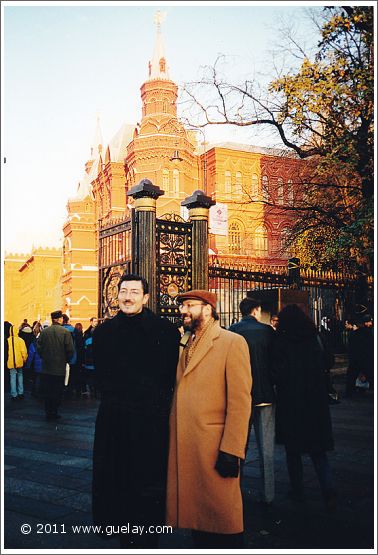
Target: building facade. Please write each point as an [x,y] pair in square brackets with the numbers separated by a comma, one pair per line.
[32,285]
[250,184]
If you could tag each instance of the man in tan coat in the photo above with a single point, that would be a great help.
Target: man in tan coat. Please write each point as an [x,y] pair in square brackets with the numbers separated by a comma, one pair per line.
[208,427]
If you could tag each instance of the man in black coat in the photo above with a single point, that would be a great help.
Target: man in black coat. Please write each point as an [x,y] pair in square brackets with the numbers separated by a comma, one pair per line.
[135,356]
[259,338]
[361,354]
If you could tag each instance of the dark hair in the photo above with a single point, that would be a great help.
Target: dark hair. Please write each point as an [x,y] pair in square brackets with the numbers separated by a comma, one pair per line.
[134,277]
[214,314]
[79,326]
[292,318]
[247,305]
[65,318]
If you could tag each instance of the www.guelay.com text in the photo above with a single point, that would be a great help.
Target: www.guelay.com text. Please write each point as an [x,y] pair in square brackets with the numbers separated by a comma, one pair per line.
[108,530]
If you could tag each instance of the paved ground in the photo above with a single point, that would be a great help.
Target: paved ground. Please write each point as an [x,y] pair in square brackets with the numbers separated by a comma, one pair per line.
[48,480]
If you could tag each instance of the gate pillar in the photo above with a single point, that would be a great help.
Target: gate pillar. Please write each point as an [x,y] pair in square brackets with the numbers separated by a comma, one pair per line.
[145,195]
[198,205]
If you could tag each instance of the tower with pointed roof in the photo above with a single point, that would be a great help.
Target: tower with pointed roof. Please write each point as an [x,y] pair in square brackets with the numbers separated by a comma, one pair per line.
[151,153]
[80,267]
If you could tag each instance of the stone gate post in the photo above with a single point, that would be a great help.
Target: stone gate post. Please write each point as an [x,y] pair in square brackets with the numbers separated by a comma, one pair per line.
[144,241]
[198,205]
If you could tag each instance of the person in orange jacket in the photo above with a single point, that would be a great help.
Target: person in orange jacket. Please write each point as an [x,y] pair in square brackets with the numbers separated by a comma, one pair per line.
[17,356]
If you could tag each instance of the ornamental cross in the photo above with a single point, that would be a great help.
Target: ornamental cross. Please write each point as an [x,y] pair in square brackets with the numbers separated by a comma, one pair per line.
[158,19]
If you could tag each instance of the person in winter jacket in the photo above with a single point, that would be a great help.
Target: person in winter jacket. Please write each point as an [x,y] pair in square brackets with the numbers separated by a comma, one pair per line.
[56,348]
[88,364]
[135,354]
[72,378]
[77,372]
[208,427]
[26,333]
[303,422]
[361,355]
[17,356]
[34,360]
[259,337]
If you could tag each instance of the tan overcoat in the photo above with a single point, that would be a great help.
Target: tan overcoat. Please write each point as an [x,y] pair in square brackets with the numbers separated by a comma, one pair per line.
[210,412]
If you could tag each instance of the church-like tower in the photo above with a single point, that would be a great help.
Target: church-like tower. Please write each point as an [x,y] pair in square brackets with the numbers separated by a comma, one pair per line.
[162,150]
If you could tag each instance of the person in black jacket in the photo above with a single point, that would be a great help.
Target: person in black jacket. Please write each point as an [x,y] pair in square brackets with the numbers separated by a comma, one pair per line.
[259,338]
[135,357]
[303,422]
[361,354]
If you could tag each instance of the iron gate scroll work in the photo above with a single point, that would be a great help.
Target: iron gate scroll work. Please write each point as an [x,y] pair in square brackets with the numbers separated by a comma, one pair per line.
[173,263]
[115,258]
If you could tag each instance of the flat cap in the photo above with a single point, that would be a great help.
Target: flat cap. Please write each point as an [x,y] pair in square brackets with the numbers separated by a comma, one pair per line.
[56,314]
[199,295]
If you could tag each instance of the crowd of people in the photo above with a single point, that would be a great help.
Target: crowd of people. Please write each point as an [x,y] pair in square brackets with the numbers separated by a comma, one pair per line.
[22,357]
[191,395]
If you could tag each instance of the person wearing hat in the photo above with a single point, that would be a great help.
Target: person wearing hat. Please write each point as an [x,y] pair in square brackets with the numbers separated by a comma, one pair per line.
[56,348]
[208,427]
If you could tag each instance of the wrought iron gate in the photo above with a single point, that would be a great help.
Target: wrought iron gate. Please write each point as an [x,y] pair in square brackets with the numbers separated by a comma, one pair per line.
[115,258]
[173,262]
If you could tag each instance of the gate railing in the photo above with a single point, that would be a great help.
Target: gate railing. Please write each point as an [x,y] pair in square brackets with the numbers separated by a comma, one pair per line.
[172,254]
[174,262]
[115,257]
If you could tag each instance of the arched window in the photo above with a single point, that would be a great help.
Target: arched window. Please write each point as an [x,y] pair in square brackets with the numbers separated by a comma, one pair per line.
[265,187]
[166,180]
[235,237]
[165,105]
[176,181]
[290,192]
[280,198]
[261,241]
[227,183]
[238,184]
[255,186]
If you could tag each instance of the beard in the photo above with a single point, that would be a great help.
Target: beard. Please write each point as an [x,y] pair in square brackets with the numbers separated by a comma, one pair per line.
[193,324]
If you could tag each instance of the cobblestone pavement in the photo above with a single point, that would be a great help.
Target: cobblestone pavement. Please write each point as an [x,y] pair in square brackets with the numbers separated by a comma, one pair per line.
[47,481]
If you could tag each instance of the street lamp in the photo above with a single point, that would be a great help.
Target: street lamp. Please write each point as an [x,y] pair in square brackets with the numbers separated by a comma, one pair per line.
[177,158]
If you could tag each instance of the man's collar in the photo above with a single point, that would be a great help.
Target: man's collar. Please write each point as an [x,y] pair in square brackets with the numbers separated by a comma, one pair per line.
[250,317]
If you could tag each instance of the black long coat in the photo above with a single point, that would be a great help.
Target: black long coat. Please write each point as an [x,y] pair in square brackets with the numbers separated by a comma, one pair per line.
[303,419]
[135,365]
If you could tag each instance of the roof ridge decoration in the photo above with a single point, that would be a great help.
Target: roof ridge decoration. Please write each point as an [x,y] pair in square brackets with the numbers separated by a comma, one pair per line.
[96,146]
[157,67]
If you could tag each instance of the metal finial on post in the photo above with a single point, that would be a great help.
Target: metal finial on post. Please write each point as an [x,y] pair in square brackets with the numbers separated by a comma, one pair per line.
[198,205]
[145,195]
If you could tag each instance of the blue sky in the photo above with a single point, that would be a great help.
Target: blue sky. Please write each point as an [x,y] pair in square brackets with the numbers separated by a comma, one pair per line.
[64,64]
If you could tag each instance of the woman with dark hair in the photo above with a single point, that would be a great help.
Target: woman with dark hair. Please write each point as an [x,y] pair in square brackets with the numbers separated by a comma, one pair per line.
[303,422]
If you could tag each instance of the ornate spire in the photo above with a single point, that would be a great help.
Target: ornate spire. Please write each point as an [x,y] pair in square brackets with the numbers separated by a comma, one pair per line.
[96,146]
[158,67]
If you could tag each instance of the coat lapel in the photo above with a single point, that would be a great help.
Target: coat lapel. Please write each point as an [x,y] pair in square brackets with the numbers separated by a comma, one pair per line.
[202,350]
